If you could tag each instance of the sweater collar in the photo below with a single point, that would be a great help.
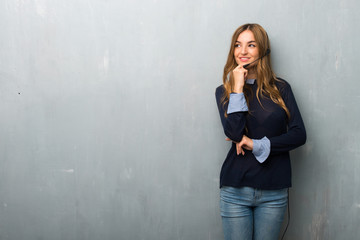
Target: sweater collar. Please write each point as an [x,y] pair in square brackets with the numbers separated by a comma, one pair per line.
[250,81]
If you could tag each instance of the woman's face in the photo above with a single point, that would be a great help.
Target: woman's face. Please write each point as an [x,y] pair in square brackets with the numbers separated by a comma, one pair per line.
[246,49]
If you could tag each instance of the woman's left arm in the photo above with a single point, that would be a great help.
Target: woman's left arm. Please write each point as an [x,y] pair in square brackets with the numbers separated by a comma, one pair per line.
[296,134]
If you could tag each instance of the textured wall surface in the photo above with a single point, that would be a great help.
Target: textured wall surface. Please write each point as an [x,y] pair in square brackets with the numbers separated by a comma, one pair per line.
[109,128]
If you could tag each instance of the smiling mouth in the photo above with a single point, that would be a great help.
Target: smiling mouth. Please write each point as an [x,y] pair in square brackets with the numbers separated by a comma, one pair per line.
[244,59]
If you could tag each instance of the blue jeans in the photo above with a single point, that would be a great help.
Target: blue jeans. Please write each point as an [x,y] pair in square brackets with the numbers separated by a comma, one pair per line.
[249,213]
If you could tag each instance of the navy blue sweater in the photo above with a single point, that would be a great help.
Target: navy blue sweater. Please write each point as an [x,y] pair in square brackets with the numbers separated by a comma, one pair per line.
[270,121]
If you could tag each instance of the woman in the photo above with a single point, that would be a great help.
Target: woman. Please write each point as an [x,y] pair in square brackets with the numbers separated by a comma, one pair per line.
[260,116]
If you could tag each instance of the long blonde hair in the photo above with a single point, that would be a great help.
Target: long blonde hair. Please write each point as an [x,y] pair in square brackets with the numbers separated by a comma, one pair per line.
[265,76]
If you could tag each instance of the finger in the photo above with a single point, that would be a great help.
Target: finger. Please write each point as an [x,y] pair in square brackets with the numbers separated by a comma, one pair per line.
[241,147]
[241,143]
[244,145]
[247,147]
[227,139]
[241,151]
[240,67]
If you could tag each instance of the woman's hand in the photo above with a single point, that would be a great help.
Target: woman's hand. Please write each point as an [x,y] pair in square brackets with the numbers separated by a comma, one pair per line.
[239,74]
[245,143]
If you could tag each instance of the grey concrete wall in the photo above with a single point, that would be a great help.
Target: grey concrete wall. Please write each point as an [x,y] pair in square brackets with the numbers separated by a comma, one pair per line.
[109,128]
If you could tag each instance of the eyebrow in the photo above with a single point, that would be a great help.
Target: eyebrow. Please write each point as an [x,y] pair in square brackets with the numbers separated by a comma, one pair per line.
[253,41]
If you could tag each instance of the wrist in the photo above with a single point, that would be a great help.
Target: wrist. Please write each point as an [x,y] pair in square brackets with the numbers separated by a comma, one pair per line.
[237,89]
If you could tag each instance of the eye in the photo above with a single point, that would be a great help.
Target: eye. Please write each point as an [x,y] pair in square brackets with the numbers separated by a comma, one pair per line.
[252,45]
[237,45]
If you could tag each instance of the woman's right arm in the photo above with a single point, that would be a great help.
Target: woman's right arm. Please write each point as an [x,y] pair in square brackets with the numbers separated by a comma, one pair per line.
[236,107]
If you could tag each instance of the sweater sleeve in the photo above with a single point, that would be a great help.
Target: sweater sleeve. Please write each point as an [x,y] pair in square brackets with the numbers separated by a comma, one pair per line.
[234,123]
[296,134]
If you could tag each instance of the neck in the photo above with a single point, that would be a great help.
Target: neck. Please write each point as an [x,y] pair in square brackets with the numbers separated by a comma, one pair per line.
[251,74]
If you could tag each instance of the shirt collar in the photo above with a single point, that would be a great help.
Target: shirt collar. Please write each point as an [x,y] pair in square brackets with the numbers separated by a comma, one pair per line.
[250,81]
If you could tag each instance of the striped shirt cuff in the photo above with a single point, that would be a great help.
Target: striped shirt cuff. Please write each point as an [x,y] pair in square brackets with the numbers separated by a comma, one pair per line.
[237,103]
[261,149]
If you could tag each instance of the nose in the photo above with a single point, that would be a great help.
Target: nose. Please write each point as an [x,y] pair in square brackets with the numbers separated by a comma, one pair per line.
[243,50]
